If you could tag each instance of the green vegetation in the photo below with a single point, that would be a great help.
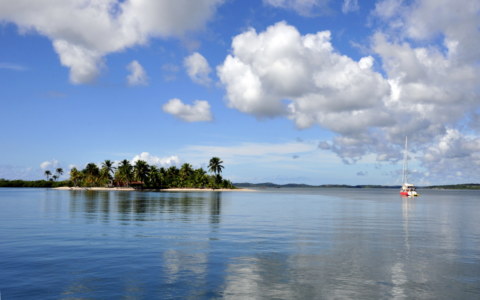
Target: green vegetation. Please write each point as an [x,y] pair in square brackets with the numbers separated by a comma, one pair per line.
[139,175]
[142,175]
[58,173]
[33,184]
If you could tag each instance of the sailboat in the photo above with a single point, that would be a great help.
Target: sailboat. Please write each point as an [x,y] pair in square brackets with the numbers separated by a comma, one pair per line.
[407,189]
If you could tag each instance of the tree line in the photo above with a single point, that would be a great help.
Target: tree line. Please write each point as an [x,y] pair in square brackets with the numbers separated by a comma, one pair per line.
[142,175]
[32,183]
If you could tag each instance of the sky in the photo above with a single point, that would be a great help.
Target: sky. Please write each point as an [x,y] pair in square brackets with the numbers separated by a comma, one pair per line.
[283,91]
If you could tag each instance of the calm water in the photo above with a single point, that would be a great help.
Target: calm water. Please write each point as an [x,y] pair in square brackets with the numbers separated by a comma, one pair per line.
[271,244]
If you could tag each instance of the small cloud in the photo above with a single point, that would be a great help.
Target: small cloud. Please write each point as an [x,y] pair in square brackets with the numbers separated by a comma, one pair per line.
[198,69]
[198,112]
[170,71]
[362,173]
[49,164]
[349,6]
[324,145]
[137,76]
[172,68]
[307,8]
[12,67]
[155,160]
[295,156]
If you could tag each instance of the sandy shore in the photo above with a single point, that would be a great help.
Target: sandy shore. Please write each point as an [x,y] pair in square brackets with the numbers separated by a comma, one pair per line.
[161,190]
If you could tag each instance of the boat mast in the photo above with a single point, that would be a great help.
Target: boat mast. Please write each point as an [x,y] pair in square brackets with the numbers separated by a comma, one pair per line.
[405,162]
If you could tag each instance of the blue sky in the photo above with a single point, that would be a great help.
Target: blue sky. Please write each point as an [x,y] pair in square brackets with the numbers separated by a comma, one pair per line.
[304,91]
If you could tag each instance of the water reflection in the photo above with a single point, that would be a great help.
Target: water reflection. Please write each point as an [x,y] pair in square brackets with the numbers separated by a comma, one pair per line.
[145,206]
[243,246]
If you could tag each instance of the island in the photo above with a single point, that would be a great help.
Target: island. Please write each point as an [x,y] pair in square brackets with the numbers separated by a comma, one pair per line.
[138,175]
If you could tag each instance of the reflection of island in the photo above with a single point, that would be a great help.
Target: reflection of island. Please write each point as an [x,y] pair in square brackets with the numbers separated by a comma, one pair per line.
[133,206]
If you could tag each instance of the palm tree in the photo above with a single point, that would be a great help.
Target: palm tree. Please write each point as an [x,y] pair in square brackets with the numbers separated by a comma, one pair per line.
[199,178]
[154,177]
[186,172]
[59,172]
[171,177]
[92,174]
[124,172]
[75,176]
[48,174]
[141,170]
[215,166]
[107,171]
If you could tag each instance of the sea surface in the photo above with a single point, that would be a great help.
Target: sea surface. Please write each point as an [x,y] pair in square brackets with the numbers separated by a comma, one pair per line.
[267,244]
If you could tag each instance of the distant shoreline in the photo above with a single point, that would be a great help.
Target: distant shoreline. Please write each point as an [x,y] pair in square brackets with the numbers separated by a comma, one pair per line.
[464,186]
[66,188]
[245,186]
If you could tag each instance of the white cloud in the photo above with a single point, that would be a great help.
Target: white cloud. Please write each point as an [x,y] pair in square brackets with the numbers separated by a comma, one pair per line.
[137,75]
[322,86]
[419,86]
[387,9]
[11,66]
[349,6]
[257,149]
[454,156]
[155,160]
[302,7]
[83,32]
[49,164]
[454,22]
[198,112]
[198,68]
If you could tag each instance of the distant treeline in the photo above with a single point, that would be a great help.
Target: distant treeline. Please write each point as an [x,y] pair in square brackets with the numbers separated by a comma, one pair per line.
[464,186]
[467,186]
[298,185]
[33,183]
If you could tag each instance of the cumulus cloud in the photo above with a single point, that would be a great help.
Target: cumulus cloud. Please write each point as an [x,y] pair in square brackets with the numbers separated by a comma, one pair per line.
[83,32]
[198,112]
[302,7]
[424,83]
[198,68]
[321,85]
[157,161]
[137,75]
[434,86]
[453,154]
